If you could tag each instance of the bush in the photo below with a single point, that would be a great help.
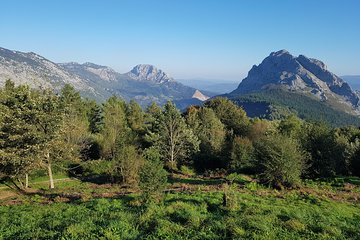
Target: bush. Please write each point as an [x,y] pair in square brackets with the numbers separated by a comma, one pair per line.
[153,177]
[241,155]
[187,171]
[280,161]
[127,165]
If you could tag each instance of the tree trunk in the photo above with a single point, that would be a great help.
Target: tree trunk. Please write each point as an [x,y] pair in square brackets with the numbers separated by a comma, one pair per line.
[26,180]
[51,180]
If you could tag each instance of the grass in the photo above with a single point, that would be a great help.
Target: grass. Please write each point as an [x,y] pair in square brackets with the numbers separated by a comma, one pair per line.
[194,209]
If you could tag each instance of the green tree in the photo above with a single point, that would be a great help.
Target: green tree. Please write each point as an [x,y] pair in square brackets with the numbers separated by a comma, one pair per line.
[211,133]
[174,139]
[136,121]
[320,143]
[153,177]
[95,117]
[280,160]
[135,116]
[127,163]
[48,122]
[242,154]
[115,126]
[75,125]
[19,138]
[291,126]
[231,115]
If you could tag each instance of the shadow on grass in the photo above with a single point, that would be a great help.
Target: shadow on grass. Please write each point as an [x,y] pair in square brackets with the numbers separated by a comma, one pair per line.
[196,181]
[97,179]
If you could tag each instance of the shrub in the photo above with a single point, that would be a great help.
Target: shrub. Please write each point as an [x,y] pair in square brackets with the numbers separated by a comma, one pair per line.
[127,165]
[187,171]
[241,155]
[280,161]
[153,177]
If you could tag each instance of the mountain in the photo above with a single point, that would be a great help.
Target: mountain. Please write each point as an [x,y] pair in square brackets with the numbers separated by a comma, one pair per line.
[35,70]
[147,72]
[218,86]
[283,83]
[144,83]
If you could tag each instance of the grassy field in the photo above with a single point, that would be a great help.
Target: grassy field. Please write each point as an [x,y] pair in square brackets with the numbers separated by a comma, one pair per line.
[193,208]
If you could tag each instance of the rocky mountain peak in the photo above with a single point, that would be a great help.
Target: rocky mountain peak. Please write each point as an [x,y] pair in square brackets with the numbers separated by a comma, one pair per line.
[280,53]
[302,74]
[147,72]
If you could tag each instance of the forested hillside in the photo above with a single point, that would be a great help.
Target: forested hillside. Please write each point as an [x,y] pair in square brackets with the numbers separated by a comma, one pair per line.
[130,170]
[278,103]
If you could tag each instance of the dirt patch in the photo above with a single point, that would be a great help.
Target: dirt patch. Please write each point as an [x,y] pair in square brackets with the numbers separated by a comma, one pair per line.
[4,194]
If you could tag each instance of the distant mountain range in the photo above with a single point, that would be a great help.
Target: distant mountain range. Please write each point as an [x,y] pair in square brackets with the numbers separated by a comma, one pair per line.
[144,83]
[281,84]
[284,84]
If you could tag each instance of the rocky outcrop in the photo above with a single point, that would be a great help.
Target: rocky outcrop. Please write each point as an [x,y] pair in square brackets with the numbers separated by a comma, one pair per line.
[147,72]
[37,71]
[300,74]
[198,95]
[144,83]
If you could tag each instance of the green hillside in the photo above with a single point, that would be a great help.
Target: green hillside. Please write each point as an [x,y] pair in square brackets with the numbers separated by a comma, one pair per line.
[277,103]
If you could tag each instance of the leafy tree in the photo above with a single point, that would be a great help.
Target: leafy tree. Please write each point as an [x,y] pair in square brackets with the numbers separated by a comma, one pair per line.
[242,153]
[291,126]
[115,126]
[48,123]
[127,164]
[153,115]
[174,139]
[280,160]
[211,133]
[19,139]
[153,177]
[135,116]
[30,130]
[231,115]
[136,121]
[95,117]
[75,125]
[320,143]
[258,129]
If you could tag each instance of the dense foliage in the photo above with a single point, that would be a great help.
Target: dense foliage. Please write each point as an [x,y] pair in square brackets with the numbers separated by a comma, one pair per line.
[277,103]
[39,129]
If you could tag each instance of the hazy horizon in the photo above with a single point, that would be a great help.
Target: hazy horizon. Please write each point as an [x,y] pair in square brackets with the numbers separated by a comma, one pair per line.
[187,39]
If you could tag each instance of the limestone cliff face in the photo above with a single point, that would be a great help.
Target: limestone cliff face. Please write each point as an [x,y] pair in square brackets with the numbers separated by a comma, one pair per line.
[147,72]
[37,71]
[145,83]
[300,74]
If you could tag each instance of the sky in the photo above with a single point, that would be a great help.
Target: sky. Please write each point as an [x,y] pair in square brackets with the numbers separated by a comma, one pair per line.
[189,39]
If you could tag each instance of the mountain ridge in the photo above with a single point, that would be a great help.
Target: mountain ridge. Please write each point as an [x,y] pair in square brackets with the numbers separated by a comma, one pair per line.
[304,75]
[145,83]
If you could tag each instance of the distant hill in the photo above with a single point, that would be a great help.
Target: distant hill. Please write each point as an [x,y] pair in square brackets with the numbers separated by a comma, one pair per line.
[144,83]
[284,84]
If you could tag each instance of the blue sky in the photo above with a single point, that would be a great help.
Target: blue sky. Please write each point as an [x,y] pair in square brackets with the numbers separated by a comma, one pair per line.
[187,38]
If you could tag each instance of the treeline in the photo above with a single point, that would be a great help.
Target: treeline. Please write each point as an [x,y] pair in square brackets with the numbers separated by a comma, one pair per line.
[40,129]
[275,103]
